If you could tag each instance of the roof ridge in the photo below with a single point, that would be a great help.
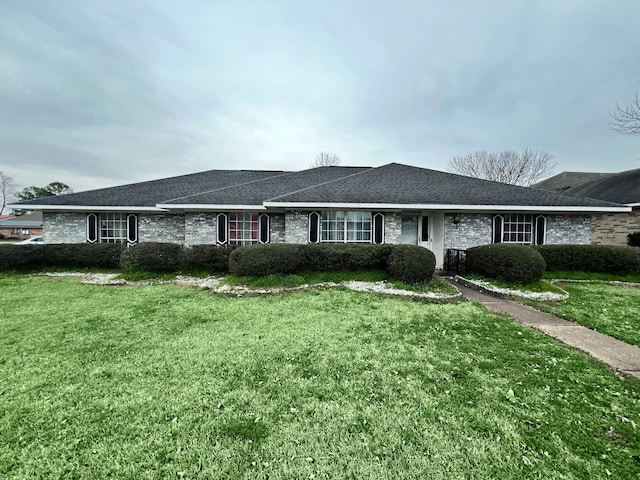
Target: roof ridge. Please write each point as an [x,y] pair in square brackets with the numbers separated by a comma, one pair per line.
[368,169]
[225,188]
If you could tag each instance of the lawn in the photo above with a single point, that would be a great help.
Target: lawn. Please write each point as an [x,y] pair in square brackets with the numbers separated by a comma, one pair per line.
[609,309]
[172,382]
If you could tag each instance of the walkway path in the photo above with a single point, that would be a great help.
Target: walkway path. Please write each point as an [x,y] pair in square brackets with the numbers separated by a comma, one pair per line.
[620,355]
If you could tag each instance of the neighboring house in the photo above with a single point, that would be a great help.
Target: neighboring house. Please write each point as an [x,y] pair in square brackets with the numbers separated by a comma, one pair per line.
[623,188]
[393,203]
[23,226]
[563,181]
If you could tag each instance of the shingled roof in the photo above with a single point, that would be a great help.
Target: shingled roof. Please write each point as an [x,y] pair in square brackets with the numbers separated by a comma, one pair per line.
[565,180]
[389,186]
[623,187]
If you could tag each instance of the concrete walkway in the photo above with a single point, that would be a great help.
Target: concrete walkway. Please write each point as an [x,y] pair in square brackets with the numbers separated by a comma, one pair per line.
[621,356]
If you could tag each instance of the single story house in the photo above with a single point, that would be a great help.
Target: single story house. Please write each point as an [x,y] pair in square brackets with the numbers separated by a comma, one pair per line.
[393,203]
[22,227]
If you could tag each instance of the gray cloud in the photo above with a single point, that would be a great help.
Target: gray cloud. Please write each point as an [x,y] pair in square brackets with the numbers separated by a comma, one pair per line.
[98,92]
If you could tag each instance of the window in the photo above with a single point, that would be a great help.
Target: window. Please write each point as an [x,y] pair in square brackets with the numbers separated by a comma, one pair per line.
[112,228]
[524,229]
[242,228]
[345,227]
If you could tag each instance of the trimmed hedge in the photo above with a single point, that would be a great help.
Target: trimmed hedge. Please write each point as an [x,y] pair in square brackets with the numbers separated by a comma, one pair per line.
[266,259]
[71,255]
[591,258]
[154,257]
[336,257]
[411,263]
[511,262]
[633,239]
[211,258]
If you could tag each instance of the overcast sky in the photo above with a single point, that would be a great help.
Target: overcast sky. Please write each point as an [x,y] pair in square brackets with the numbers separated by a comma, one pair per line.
[97,93]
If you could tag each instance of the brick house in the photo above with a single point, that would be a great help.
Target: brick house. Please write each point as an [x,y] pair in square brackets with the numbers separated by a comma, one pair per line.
[393,203]
[22,227]
[624,188]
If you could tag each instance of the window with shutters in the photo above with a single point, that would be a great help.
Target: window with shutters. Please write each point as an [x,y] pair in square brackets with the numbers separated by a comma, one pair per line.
[242,228]
[346,227]
[112,227]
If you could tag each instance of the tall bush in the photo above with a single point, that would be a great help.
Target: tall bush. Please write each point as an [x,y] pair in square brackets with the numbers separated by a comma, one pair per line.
[411,263]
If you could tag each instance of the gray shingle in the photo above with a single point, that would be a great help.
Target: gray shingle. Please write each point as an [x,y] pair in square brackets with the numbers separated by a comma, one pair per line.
[402,184]
[623,187]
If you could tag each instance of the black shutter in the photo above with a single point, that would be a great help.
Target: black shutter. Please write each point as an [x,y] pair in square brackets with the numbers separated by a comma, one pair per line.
[424,234]
[314,227]
[541,224]
[378,228]
[222,228]
[132,229]
[264,228]
[497,229]
[92,228]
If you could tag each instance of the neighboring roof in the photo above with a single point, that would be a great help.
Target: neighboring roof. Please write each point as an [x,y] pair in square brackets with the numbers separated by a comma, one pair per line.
[623,187]
[391,186]
[565,180]
[29,220]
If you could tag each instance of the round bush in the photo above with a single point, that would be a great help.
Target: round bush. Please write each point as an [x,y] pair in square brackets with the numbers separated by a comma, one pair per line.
[411,264]
[152,257]
[510,262]
[267,259]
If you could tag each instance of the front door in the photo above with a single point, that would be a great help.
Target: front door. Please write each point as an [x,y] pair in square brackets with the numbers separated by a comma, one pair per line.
[427,230]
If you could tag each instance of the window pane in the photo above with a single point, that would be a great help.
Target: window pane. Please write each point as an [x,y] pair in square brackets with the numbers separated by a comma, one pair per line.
[243,228]
[113,227]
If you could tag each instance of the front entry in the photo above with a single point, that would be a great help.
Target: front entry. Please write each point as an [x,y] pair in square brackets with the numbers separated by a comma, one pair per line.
[427,230]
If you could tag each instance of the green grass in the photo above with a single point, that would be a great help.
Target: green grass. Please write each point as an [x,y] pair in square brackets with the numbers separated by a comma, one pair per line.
[609,309]
[591,276]
[540,286]
[308,278]
[166,382]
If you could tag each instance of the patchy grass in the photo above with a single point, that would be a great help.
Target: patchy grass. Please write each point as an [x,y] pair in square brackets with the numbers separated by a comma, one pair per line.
[609,309]
[165,382]
[591,276]
[540,286]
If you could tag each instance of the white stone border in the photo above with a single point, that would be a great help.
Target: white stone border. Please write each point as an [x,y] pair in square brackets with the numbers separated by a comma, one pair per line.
[215,285]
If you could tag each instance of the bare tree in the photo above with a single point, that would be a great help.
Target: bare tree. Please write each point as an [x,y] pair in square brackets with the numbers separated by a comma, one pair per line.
[324,159]
[626,120]
[6,189]
[507,166]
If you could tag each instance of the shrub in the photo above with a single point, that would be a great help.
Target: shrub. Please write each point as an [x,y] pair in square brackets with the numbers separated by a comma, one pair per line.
[267,259]
[153,257]
[335,257]
[72,255]
[591,258]
[257,260]
[411,264]
[21,257]
[211,258]
[510,262]
[82,255]
[633,239]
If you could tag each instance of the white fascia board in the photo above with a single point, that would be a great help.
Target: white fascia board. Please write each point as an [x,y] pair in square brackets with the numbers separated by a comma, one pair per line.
[206,207]
[88,208]
[461,208]
[633,204]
